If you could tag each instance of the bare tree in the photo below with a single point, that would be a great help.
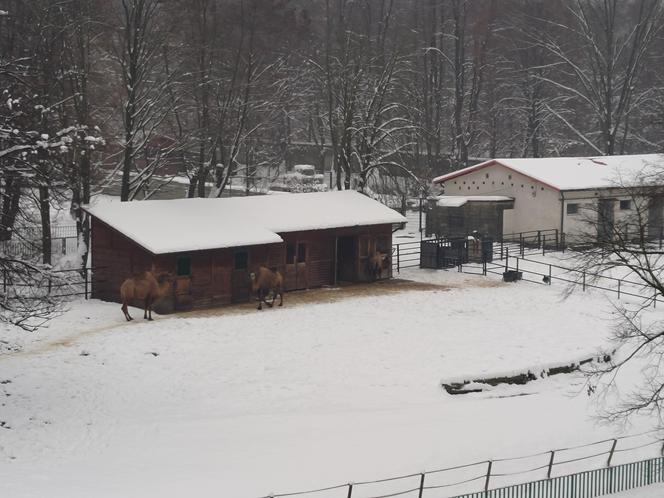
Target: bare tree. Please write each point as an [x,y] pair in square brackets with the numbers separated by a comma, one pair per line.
[604,52]
[624,241]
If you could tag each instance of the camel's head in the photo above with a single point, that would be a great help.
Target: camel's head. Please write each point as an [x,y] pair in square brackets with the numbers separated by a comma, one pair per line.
[166,277]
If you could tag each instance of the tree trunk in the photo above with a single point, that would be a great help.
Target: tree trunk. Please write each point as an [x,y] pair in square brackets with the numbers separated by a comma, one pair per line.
[45,212]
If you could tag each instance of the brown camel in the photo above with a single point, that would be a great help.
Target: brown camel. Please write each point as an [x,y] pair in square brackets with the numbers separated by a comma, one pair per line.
[264,282]
[144,287]
[376,263]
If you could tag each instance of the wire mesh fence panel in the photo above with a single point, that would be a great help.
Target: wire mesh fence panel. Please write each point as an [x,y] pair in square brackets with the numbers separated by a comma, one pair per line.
[588,484]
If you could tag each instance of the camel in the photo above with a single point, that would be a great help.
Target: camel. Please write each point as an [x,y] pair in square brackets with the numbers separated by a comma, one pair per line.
[377,263]
[264,282]
[144,287]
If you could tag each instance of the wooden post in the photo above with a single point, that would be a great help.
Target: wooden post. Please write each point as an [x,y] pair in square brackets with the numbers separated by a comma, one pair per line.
[507,259]
[350,490]
[548,472]
[421,485]
[85,271]
[398,259]
[563,242]
[488,476]
[549,274]
[613,447]
[517,264]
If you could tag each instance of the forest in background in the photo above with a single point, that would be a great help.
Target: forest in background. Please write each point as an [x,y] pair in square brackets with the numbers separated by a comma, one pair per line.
[128,91]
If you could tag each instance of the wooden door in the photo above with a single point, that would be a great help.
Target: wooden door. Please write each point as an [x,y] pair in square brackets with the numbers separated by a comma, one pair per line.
[295,274]
[347,259]
[240,282]
[605,219]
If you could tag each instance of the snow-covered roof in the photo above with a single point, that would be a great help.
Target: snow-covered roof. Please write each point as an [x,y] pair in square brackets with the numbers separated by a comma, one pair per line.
[461,200]
[168,226]
[575,173]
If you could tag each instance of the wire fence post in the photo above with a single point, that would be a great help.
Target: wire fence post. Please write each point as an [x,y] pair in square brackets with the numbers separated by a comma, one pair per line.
[507,259]
[549,274]
[584,281]
[398,259]
[85,271]
[350,490]
[421,485]
[488,476]
[563,242]
[548,472]
[613,447]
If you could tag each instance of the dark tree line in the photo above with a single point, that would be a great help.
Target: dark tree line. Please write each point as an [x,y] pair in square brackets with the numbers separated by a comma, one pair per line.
[211,89]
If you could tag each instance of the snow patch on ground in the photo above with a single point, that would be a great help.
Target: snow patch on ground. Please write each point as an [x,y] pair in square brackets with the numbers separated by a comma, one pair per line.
[241,404]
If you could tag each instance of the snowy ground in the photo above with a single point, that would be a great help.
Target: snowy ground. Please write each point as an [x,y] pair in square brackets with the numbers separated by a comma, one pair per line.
[242,403]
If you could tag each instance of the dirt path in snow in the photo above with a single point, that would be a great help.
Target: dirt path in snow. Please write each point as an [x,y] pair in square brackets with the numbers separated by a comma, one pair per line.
[291,299]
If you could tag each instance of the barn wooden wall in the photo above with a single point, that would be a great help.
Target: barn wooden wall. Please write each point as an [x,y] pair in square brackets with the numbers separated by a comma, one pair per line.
[213,280]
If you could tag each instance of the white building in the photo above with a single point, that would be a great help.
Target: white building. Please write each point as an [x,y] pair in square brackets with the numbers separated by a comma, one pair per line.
[563,193]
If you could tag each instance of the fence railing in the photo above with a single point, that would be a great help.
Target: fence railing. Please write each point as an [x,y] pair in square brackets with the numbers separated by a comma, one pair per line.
[26,242]
[57,283]
[587,484]
[407,254]
[558,473]
[549,272]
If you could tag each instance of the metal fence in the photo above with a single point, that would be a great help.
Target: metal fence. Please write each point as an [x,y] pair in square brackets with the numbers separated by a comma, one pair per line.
[26,242]
[582,471]
[57,283]
[588,484]
[547,273]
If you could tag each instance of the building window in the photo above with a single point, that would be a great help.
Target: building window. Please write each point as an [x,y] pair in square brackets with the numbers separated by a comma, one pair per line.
[509,177]
[487,175]
[625,205]
[241,260]
[572,208]
[183,266]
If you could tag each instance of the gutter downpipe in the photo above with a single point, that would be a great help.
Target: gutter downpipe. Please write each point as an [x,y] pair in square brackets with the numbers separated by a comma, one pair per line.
[562,213]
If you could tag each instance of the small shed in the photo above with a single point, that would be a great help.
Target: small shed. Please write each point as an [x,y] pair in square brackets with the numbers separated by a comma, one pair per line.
[458,216]
[211,245]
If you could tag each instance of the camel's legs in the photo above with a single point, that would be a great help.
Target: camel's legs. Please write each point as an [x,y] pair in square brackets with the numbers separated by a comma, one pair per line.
[260,299]
[148,308]
[126,312]
[281,297]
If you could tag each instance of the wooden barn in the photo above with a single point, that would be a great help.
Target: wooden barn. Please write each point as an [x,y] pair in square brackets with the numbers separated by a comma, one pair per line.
[211,245]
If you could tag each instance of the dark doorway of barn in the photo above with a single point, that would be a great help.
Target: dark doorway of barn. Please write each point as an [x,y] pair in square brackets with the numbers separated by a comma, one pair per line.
[240,278]
[346,259]
[296,265]
[182,283]
[605,219]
